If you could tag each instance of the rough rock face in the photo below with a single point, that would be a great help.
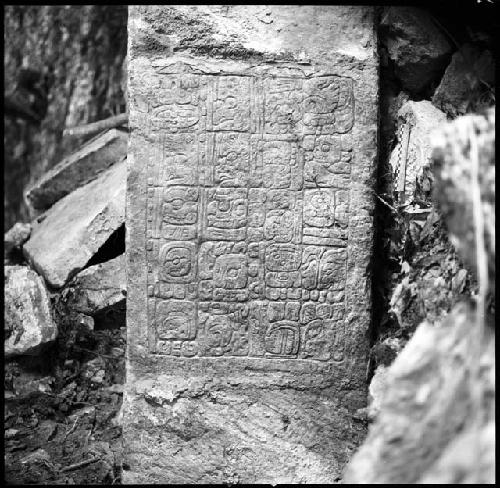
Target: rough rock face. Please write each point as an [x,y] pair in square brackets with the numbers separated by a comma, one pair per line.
[77,226]
[416,122]
[78,169]
[464,143]
[470,75]
[247,324]
[427,402]
[28,318]
[457,466]
[97,289]
[435,405]
[419,49]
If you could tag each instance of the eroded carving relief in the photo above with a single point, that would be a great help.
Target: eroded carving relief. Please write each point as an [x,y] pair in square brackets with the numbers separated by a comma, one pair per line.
[248,216]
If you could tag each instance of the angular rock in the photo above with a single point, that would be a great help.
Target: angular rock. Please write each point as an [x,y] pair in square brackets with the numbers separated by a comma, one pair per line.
[28,384]
[416,45]
[416,122]
[99,287]
[14,239]
[78,169]
[427,402]
[468,82]
[376,391]
[28,317]
[76,227]
[454,159]
[248,303]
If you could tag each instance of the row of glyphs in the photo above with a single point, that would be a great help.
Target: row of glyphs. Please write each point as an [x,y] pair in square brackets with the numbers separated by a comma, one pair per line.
[241,160]
[248,215]
[257,329]
[315,216]
[274,105]
[237,271]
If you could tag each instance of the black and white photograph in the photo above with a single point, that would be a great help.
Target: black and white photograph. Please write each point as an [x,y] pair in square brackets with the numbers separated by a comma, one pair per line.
[249,244]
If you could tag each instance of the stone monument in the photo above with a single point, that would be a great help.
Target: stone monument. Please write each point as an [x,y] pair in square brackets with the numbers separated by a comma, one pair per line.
[251,164]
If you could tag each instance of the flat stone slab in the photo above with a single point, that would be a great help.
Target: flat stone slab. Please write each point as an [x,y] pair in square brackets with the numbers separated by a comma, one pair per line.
[79,168]
[249,217]
[28,318]
[76,227]
[99,287]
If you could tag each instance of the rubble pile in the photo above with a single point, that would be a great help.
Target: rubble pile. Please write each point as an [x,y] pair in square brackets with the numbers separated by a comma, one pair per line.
[65,322]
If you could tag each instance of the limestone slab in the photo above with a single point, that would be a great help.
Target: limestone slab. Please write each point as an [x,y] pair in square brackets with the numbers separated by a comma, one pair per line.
[249,216]
[28,319]
[79,168]
[76,227]
[99,287]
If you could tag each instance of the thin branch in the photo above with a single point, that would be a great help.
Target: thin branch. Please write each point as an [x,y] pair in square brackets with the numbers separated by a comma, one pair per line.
[85,130]
[385,203]
[81,464]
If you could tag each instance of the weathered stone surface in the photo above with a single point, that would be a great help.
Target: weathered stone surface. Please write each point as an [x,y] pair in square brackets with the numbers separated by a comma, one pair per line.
[77,226]
[427,403]
[461,145]
[457,466]
[416,122]
[99,287]
[13,241]
[470,74]
[28,318]
[78,169]
[416,45]
[249,219]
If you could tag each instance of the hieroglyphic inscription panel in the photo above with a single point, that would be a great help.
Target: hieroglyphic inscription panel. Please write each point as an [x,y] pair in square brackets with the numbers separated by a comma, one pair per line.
[248,216]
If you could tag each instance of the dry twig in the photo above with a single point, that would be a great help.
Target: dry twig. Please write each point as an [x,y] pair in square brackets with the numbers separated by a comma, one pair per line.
[85,130]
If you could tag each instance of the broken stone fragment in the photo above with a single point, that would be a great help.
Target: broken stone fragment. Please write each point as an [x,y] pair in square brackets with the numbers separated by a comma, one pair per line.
[14,239]
[79,168]
[416,122]
[376,391]
[28,318]
[468,82]
[454,159]
[416,45]
[99,287]
[27,384]
[77,226]
[425,402]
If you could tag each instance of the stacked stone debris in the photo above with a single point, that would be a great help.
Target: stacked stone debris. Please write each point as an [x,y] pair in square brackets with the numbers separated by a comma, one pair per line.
[62,273]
